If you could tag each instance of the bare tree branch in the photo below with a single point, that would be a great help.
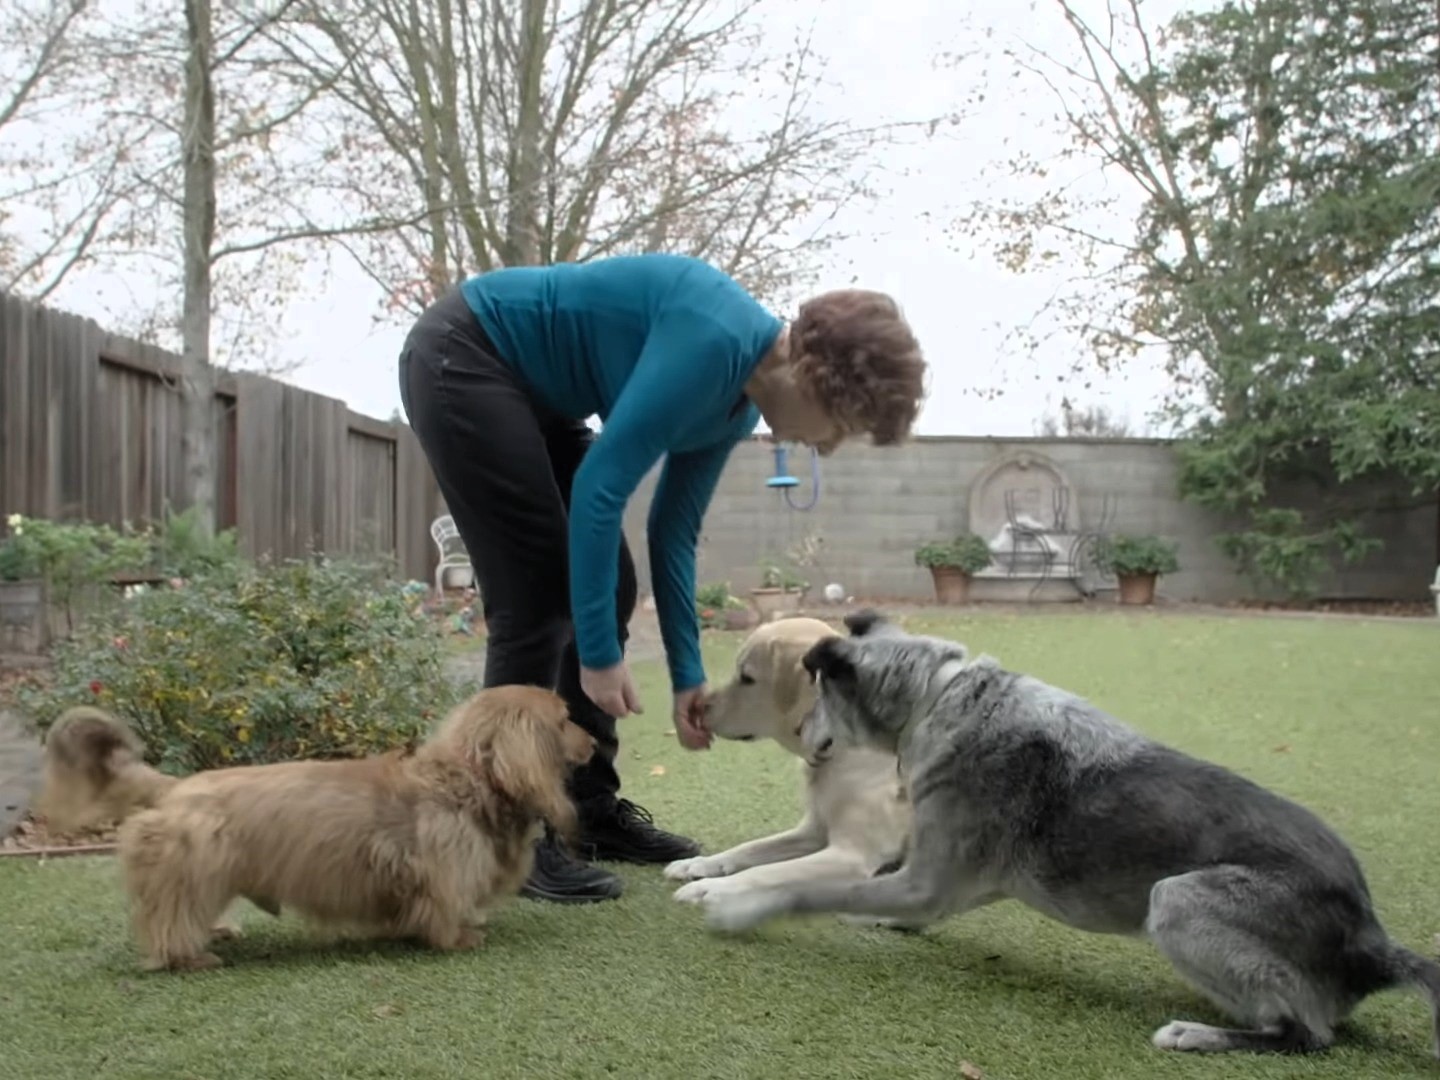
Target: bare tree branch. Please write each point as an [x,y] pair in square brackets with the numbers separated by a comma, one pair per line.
[54,32]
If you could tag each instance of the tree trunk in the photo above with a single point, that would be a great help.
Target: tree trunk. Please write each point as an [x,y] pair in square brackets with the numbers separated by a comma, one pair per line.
[522,219]
[197,412]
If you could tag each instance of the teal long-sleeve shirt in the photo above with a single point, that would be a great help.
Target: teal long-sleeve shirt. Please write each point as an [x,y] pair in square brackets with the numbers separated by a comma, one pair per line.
[660,348]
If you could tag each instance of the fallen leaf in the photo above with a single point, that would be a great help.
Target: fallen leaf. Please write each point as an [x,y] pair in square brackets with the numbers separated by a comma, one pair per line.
[382,1012]
[971,1072]
[657,770]
[1283,748]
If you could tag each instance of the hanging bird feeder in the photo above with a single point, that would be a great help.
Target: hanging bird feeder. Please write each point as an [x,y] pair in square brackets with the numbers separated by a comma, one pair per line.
[782,477]
[783,480]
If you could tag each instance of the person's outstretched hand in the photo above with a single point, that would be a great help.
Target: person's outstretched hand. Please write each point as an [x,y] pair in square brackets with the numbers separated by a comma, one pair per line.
[612,689]
[690,719]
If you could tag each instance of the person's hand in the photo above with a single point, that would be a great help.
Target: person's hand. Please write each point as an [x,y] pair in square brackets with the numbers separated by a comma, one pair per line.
[690,719]
[612,689]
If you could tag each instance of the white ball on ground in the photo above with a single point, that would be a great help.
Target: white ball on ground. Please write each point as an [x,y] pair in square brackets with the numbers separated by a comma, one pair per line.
[834,593]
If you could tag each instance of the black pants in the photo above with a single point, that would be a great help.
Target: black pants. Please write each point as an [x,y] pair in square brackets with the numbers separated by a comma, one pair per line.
[505,467]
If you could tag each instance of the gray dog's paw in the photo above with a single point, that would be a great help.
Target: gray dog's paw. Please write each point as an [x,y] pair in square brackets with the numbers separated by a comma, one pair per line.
[1185,1036]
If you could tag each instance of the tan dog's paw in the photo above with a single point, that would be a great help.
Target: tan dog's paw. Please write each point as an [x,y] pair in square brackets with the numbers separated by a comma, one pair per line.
[204,961]
[463,940]
[472,937]
[226,931]
[701,866]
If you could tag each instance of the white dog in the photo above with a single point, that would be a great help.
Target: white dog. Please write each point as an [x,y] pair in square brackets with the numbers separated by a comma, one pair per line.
[857,818]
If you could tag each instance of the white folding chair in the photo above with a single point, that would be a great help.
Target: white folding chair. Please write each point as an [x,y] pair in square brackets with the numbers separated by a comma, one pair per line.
[451,548]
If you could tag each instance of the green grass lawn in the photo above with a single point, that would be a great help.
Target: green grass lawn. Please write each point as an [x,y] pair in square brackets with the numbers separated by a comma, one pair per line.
[1343,715]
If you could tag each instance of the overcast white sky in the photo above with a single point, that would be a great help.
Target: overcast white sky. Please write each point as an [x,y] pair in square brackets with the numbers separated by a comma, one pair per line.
[960,303]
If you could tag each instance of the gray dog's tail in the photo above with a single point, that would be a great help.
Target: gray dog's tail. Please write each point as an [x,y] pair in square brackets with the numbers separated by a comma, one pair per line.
[1406,968]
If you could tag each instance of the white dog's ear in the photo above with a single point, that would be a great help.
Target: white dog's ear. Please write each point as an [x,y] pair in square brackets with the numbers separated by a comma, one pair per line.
[787,676]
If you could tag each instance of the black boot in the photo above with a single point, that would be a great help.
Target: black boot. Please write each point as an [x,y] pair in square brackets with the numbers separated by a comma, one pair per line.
[561,878]
[618,829]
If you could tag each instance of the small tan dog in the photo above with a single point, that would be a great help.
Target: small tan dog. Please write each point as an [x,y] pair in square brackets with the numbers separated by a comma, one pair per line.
[415,844]
[857,817]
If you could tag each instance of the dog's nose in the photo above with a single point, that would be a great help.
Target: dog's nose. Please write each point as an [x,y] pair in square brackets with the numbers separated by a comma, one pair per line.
[824,747]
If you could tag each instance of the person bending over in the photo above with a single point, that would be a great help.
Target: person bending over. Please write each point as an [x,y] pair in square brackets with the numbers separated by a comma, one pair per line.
[679,362]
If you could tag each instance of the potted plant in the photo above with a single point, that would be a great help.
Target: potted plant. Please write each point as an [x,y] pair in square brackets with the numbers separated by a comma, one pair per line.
[952,563]
[718,608]
[1136,562]
[781,590]
[22,592]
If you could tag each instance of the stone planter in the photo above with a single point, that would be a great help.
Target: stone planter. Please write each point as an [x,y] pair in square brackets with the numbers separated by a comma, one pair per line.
[952,585]
[24,621]
[771,603]
[1137,589]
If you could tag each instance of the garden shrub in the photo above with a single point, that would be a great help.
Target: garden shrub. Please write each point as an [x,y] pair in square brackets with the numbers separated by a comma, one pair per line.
[304,659]
[182,549]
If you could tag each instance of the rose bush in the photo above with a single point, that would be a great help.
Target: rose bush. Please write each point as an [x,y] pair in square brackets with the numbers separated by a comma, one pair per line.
[303,659]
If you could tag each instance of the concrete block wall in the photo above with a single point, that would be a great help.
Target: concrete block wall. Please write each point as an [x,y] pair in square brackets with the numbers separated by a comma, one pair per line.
[876,505]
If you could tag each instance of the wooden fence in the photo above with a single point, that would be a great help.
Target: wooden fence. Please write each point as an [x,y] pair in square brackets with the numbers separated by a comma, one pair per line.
[90,430]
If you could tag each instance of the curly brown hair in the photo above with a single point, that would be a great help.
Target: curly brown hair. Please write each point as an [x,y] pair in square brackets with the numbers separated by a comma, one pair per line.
[855,352]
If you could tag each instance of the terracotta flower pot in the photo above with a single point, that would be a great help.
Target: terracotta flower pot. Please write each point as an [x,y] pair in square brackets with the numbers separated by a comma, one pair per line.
[1137,589]
[952,585]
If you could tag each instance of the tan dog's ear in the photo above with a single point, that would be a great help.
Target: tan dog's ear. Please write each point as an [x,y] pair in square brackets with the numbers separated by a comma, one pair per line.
[529,763]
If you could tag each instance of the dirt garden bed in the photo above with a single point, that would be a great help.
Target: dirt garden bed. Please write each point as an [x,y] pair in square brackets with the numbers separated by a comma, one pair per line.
[32,837]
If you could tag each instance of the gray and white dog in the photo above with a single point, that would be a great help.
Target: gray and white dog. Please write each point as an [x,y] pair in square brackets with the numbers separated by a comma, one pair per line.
[1023,791]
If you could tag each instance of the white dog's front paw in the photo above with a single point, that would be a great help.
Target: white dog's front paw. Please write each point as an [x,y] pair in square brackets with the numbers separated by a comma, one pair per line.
[701,866]
[694,892]
[732,911]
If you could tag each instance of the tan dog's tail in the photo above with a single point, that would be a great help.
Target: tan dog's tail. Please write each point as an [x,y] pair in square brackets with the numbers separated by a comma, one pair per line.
[95,772]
